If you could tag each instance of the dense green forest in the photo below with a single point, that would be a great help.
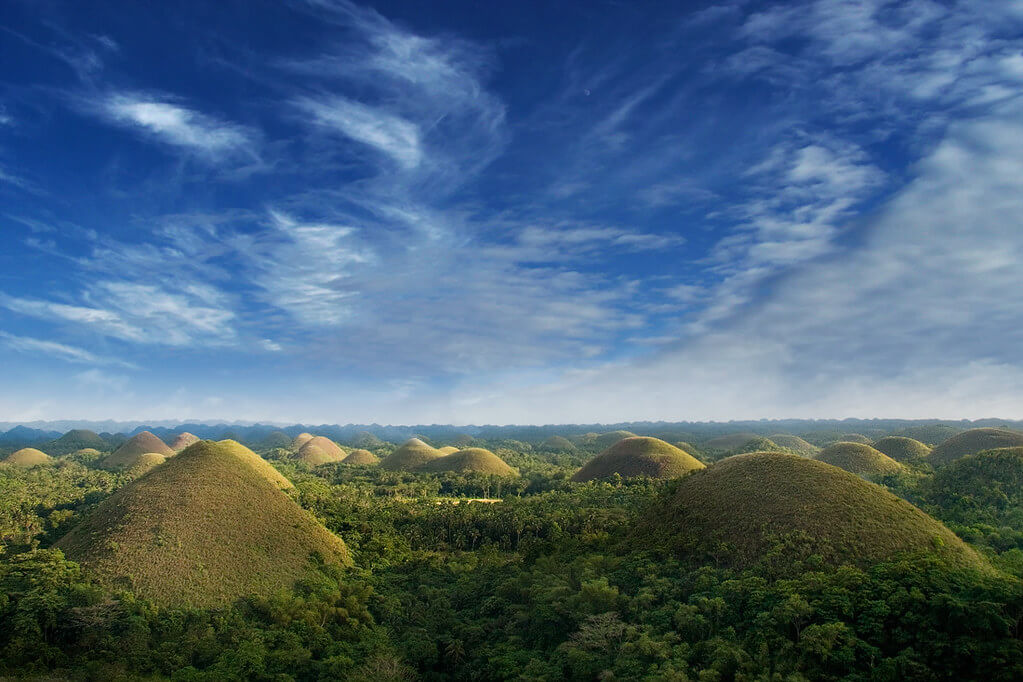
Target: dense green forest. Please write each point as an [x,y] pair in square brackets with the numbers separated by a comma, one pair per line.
[539,578]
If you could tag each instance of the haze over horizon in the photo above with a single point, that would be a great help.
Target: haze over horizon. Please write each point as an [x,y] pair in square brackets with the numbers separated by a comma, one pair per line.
[317,211]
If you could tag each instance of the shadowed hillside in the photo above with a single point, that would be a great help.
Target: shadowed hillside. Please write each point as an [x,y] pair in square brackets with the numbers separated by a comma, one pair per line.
[974,441]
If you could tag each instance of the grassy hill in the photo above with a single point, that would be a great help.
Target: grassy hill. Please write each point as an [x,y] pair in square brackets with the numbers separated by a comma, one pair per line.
[859,459]
[728,442]
[736,511]
[606,440]
[974,441]
[989,482]
[319,450]
[27,457]
[412,454]
[360,457]
[139,444]
[183,440]
[300,440]
[854,438]
[794,443]
[75,440]
[558,444]
[203,529]
[902,449]
[471,461]
[639,456]
[276,439]
[145,463]
[447,450]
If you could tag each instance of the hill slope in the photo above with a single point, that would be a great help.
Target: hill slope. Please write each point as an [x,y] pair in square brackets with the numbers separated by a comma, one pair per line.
[902,449]
[639,456]
[203,529]
[606,440]
[183,440]
[27,457]
[794,443]
[360,457]
[858,459]
[300,440]
[75,440]
[974,441]
[471,461]
[139,444]
[412,454]
[736,510]
[728,442]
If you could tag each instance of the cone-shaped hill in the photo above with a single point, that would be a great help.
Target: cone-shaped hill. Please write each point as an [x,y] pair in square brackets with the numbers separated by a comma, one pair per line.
[447,450]
[757,444]
[265,469]
[202,530]
[319,450]
[639,456]
[606,440]
[558,444]
[146,463]
[75,440]
[360,457]
[974,441]
[471,461]
[276,439]
[139,444]
[854,438]
[729,441]
[859,459]
[412,454]
[300,440]
[27,457]
[736,511]
[183,440]
[686,446]
[901,449]
[794,443]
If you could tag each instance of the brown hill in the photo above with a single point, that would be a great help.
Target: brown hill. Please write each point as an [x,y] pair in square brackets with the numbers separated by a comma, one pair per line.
[639,456]
[471,461]
[139,444]
[202,530]
[606,440]
[360,457]
[412,454]
[319,450]
[300,440]
[859,459]
[27,457]
[183,440]
[447,450]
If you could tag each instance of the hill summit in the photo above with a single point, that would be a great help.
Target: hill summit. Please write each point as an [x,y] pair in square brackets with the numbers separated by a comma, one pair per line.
[412,454]
[27,457]
[183,440]
[902,449]
[471,461]
[738,510]
[319,450]
[974,441]
[859,459]
[639,456]
[139,444]
[203,529]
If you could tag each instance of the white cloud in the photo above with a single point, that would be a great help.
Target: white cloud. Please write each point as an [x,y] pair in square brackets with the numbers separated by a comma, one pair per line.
[387,133]
[58,351]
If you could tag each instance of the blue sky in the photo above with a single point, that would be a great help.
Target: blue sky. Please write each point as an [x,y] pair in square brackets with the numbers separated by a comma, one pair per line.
[321,211]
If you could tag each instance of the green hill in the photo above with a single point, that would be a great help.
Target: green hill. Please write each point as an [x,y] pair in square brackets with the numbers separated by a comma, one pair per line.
[75,440]
[687,447]
[639,456]
[558,444]
[931,434]
[412,454]
[183,440]
[902,449]
[471,461]
[145,463]
[202,530]
[736,511]
[276,439]
[989,483]
[794,443]
[260,465]
[729,442]
[974,441]
[366,440]
[854,438]
[606,440]
[27,457]
[139,444]
[859,459]
[758,444]
[300,440]
[360,457]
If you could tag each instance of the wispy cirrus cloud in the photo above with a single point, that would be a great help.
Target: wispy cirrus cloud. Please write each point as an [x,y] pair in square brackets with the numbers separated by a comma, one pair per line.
[383,131]
[58,351]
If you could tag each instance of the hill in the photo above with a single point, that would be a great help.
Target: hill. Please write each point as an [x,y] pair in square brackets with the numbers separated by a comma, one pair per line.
[794,443]
[471,461]
[974,441]
[260,465]
[183,440]
[758,444]
[930,434]
[365,440]
[27,457]
[558,444]
[447,450]
[859,459]
[300,440]
[686,446]
[139,444]
[736,511]
[854,438]
[75,440]
[902,449]
[276,439]
[145,463]
[606,440]
[639,456]
[319,450]
[989,483]
[360,457]
[412,454]
[202,530]
[729,442]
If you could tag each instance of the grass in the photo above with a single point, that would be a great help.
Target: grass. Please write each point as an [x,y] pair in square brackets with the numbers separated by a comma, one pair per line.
[558,444]
[738,511]
[639,456]
[183,440]
[300,440]
[139,444]
[859,459]
[729,442]
[902,449]
[412,454]
[204,529]
[319,450]
[471,461]
[606,440]
[974,441]
[265,469]
[360,457]
[794,443]
[27,457]
[447,450]
[75,440]
[854,438]
[146,463]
